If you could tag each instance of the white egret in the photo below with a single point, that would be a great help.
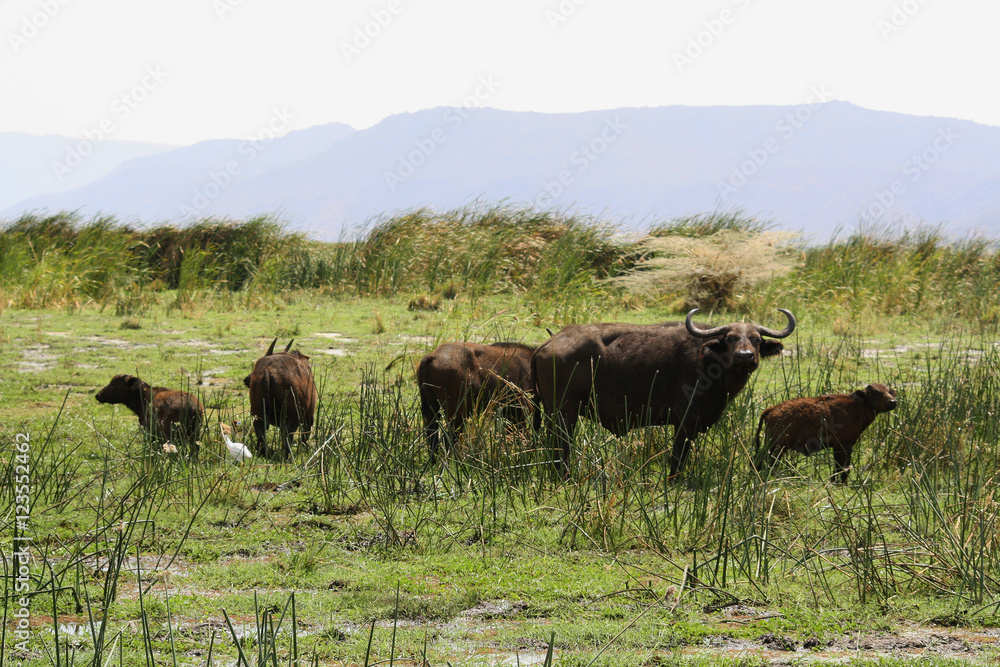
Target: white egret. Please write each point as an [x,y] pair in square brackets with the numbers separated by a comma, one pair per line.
[237,450]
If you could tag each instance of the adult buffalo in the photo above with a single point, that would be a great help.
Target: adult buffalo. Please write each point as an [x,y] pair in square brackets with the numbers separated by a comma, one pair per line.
[283,393]
[457,380]
[627,376]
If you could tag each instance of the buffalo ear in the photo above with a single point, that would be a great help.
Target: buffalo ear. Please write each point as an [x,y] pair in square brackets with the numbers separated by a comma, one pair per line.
[860,395]
[246,381]
[134,383]
[715,346]
[770,348]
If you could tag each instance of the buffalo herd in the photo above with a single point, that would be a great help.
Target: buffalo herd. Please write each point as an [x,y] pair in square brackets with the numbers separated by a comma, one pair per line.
[621,376]
[282,393]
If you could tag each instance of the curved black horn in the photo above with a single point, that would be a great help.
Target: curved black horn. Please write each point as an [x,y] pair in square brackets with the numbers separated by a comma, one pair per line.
[703,333]
[289,346]
[787,331]
[270,350]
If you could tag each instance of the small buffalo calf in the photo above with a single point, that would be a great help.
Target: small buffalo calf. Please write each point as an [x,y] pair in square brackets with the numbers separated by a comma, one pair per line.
[166,413]
[807,425]
[461,379]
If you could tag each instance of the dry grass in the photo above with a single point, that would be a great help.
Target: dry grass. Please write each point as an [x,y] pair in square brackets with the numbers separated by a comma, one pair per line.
[710,271]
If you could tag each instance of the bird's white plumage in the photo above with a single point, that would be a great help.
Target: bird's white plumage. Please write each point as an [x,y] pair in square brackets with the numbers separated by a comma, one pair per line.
[237,450]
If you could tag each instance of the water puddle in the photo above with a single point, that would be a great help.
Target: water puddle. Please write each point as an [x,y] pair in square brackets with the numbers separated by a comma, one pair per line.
[35,358]
[339,337]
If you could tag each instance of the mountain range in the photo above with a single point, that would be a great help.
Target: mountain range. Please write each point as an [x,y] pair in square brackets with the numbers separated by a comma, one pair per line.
[816,168]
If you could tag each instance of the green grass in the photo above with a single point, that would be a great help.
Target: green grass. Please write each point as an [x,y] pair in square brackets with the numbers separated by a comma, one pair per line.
[145,557]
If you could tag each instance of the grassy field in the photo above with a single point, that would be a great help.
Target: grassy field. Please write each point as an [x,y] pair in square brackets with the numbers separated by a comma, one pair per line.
[358,552]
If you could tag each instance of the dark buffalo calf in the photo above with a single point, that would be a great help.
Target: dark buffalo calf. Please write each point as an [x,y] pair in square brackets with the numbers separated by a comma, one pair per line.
[461,379]
[166,413]
[282,393]
[808,425]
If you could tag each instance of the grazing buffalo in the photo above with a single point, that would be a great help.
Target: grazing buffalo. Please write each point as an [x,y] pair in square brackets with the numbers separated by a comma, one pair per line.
[165,413]
[282,393]
[461,379]
[807,425]
[627,376]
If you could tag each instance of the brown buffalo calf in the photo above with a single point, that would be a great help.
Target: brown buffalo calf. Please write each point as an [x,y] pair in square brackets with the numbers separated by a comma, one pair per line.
[461,379]
[282,393]
[166,413]
[807,425]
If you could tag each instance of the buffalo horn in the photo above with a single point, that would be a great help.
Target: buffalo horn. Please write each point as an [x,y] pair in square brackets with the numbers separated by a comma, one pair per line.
[289,346]
[270,350]
[764,331]
[703,333]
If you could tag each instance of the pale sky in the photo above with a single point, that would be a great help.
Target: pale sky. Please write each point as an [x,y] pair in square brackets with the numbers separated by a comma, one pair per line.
[189,70]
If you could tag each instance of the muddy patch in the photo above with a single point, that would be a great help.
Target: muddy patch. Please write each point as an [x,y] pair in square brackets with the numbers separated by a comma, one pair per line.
[35,358]
[916,642]
[420,340]
[334,351]
[208,378]
[113,342]
[194,342]
[494,609]
[927,643]
[340,338]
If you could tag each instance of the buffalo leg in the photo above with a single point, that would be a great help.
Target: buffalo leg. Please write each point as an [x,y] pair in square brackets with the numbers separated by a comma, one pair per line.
[433,437]
[186,434]
[307,427]
[453,431]
[165,431]
[841,464]
[682,447]
[438,430]
[563,437]
[292,425]
[260,430]
[430,410]
[764,459]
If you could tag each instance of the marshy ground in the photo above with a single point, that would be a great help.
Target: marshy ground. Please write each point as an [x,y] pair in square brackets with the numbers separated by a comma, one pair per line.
[358,552]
